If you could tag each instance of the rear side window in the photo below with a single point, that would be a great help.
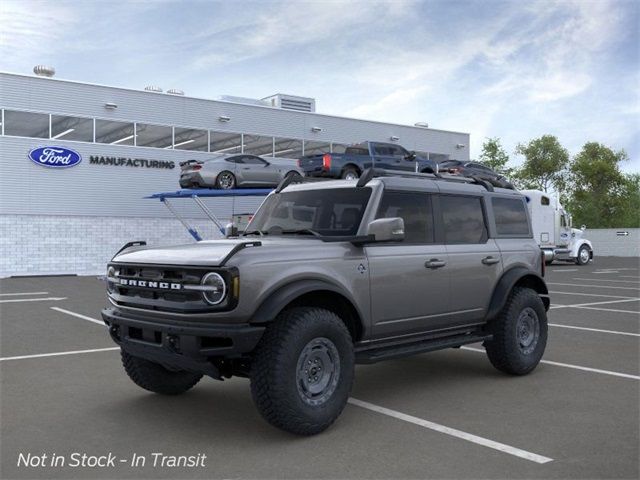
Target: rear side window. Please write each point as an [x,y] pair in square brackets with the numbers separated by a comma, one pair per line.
[511,217]
[463,219]
[414,209]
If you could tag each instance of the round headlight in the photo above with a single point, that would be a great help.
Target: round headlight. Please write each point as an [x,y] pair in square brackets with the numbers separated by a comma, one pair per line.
[111,273]
[216,288]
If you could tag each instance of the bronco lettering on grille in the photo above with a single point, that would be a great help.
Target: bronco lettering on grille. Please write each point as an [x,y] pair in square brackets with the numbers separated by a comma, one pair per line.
[145,283]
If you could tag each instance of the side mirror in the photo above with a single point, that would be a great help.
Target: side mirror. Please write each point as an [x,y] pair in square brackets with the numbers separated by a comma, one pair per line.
[230,230]
[386,229]
[410,156]
[583,227]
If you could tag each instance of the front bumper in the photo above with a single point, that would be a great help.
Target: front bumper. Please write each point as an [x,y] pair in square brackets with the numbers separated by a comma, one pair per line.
[179,344]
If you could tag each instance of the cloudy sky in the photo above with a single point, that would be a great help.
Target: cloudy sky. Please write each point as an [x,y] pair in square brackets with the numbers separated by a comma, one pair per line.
[514,69]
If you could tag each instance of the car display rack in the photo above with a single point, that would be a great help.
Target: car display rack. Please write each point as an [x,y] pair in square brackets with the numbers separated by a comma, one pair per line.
[196,195]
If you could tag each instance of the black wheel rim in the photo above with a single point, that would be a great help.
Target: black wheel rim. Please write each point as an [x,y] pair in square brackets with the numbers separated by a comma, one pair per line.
[225,180]
[528,330]
[318,371]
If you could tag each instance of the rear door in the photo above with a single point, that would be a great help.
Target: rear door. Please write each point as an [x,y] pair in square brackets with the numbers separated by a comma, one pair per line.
[475,264]
[409,279]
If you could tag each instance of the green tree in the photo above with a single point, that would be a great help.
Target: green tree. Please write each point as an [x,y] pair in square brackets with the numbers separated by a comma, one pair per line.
[494,156]
[545,164]
[600,194]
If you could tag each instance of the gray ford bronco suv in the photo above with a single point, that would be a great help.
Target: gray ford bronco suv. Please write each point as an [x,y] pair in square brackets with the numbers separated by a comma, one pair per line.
[329,274]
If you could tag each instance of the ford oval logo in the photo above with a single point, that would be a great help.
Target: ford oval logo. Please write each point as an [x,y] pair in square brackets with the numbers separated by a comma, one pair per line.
[55,157]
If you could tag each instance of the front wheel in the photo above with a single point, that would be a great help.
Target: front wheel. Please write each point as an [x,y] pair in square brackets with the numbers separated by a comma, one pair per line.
[156,378]
[225,180]
[302,371]
[584,255]
[519,333]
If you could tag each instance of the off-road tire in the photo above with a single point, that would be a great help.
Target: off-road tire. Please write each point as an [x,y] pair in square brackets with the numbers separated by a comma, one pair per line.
[350,173]
[222,175]
[156,378]
[275,385]
[504,350]
[579,260]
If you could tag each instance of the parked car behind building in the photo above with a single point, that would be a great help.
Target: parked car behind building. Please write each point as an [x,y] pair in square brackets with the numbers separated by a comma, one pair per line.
[237,170]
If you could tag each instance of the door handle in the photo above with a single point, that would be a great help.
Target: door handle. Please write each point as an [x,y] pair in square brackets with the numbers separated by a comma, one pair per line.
[490,260]
[434,263]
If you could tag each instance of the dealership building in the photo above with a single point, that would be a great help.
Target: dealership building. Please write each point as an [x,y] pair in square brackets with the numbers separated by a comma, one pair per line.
[127,144]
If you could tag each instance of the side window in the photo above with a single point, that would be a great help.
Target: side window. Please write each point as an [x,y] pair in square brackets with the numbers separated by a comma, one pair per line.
[414,209]
[398,151]
[511,216]
[253,160]
[235,160]
[545,200]
[463,219]
[381,150]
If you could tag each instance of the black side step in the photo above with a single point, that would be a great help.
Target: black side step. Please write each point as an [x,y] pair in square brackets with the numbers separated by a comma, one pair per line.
[397,351]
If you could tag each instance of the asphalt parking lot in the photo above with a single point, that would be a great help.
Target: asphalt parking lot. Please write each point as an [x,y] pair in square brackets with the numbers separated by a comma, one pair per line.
[446,414]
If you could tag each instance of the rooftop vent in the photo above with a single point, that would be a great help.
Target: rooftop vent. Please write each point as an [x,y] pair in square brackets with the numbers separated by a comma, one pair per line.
[153,88]
[292,102]
[44,71]
[175,91]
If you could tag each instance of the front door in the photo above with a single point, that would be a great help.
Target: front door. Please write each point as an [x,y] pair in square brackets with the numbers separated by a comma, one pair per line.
[409,279]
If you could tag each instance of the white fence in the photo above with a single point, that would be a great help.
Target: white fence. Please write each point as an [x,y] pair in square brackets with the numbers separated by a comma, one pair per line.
[614,242]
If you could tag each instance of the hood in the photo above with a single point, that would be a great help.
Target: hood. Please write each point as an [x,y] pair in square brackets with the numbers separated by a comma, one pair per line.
[209,252]
[577,233]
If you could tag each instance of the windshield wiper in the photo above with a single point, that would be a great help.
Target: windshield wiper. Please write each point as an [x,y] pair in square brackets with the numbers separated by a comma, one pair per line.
[303,231]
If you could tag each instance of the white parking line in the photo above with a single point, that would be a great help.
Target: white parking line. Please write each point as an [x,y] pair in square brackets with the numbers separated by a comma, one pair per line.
[588,294]
[23,293]
[614,287]
[56,354]
[73,314]
[595,303]
[598,330]
[485,442]
[562,270]
[611,310]
[605,272]
[51,299]
[568,365]
[606,280]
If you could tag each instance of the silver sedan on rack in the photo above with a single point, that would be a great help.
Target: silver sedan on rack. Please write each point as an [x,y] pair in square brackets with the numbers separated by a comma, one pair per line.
[237,170]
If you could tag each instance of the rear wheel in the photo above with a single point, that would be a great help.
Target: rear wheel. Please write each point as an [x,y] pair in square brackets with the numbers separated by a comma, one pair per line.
[350,173]
[302,371]
[519,333]
[584,255]
[225,180]
[156,378]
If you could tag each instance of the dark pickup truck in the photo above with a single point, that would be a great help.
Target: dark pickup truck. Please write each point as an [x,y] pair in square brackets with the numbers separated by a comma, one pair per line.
[357,158]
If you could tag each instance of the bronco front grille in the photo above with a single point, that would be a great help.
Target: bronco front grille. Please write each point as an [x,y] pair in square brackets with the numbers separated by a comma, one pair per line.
[160,288]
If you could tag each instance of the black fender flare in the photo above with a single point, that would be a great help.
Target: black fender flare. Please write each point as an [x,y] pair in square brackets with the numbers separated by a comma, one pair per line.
[285,294]
[506,283]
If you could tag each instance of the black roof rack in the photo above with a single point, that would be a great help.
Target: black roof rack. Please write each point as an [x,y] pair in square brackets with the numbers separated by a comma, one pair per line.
[487,182]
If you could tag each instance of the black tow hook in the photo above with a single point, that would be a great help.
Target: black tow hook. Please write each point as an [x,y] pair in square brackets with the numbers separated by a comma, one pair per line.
[173,343]
[114,331]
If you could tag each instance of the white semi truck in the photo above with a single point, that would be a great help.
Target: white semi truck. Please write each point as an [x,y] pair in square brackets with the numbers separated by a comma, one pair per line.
[553,231]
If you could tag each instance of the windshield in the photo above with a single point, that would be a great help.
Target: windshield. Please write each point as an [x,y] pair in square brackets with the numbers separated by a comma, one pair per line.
[324,212]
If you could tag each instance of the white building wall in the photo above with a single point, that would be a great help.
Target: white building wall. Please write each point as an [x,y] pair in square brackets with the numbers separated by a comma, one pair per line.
[607,242]
[55,244]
